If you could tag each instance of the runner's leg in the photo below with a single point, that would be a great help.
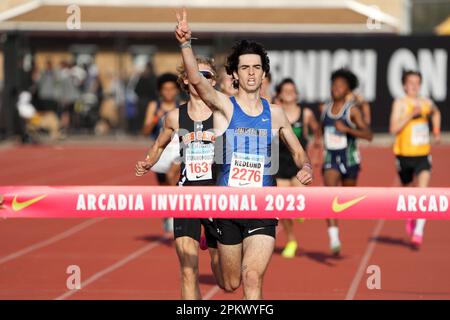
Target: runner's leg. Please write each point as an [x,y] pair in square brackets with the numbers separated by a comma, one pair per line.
[230,257]
[187,251]
[288,227]
[258,250]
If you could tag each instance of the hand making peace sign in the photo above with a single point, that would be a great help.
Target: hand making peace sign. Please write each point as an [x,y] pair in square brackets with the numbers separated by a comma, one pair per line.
[182,32]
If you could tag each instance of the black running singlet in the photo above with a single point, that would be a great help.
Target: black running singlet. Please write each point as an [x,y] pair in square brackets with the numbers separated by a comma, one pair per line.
[287,167]
[197,140]
[299,129]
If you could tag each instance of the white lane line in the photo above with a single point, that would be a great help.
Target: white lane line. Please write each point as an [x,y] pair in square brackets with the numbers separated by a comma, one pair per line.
[134,255]
[50,241]
[364,261]
[211,293]
[369,250]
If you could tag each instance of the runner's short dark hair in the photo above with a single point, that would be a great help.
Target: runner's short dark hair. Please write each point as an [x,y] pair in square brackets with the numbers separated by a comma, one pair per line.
[246,47]
[166,77]
[408,73]
[348,76]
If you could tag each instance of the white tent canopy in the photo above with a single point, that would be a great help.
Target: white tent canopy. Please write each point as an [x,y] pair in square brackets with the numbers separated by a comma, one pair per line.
[259,16]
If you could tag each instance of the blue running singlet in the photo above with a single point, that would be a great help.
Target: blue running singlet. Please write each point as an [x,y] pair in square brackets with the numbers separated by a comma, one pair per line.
[247,149]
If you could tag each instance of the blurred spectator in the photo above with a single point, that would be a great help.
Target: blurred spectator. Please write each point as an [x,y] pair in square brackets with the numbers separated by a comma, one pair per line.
[46,89]
[113,99]
[68,92]
[145,91]
[25,76]
[25,82]
[36,121]
[87,107]
[131,105]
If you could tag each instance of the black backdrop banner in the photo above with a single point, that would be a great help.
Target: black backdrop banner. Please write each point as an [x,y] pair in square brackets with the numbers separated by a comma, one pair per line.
[377,60]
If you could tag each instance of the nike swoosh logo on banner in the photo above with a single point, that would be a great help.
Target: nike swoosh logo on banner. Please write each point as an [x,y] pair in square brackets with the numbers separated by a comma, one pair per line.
[339,207]
[17,206]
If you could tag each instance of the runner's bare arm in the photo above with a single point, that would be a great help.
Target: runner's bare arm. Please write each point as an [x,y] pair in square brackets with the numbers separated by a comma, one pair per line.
[363,105]
[164,138]
[312,123]
[436,121]
[362,128]
[281,122]
[213,98]
[365,108]
[149,122]
[321,110]
[398,118]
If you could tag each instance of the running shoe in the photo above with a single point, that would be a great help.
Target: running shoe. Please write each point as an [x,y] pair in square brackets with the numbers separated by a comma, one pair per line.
[416,241]
[290,249]
[410,226]
[335,247]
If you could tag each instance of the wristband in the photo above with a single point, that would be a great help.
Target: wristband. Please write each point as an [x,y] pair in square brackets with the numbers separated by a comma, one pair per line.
[186,44]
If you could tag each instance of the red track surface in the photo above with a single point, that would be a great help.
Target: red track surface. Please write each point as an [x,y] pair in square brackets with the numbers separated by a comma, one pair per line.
[128,259]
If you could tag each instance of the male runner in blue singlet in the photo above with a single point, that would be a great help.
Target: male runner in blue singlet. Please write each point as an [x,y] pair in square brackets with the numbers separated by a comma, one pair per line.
[248,124]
